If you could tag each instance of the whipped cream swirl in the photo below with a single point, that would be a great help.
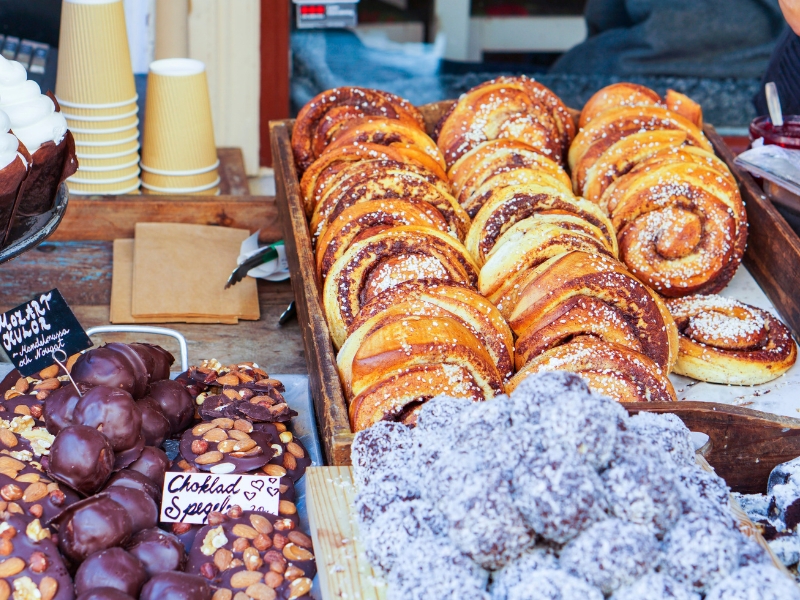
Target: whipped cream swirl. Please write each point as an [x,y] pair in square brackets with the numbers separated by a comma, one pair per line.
[33,116]
[8,143]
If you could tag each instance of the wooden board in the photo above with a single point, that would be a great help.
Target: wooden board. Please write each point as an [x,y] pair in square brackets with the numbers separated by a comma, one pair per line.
[114,217]
[747,443]
[343,570]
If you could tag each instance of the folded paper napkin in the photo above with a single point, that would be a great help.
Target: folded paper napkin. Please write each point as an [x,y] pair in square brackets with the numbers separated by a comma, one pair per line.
[179,273]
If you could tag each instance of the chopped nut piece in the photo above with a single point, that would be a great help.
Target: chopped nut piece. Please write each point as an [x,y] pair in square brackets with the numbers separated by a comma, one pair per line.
[214,539]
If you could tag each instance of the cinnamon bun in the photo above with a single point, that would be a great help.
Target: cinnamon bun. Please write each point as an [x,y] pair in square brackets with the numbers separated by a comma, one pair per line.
[617,95]
[726,341]
[609,369]
[327,113]
[385,260]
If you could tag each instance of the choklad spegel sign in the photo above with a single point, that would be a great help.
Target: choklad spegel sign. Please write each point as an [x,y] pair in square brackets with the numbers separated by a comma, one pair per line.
[32,332]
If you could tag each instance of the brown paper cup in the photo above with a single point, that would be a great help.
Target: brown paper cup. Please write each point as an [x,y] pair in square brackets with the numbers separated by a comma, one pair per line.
[109,164]
[114,176]
[127,187]
[179,131]
[106,139]
[106,152]
[95,127]
[94,63]
[77,112]
[180,182]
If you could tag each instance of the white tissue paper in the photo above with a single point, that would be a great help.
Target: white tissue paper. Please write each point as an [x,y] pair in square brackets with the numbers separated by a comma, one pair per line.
[274,270]
[779,165]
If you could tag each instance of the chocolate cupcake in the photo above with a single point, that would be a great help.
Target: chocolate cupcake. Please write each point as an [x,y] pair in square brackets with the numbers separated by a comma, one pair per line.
[112,568]
[91,525]
[33,568]
[14,164]
[82,458]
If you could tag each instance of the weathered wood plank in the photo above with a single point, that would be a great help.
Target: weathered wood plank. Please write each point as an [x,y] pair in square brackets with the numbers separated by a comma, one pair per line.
[233,177]
[343,570]
[326,390]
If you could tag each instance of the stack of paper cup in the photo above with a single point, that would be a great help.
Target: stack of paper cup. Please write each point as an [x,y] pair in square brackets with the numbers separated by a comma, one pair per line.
[179,155]
[97,94]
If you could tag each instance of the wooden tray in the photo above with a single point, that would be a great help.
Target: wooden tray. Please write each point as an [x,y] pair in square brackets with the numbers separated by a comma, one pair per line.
[745,445]
[345,572]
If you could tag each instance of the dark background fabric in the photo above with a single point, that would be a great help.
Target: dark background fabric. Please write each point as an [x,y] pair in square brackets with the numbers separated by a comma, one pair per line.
[784,70]
[680,38]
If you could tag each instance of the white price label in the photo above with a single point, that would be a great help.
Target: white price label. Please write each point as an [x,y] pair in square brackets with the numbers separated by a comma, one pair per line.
[190,497]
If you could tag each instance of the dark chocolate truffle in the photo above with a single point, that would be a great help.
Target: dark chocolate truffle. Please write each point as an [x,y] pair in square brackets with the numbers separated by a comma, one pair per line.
[153,464]
[155,426]
[82,458]
[59,407]
[92,525]
[114,568]
[138,365]
[104,366]
[112,412]
[162,360]
[134,479]
[158,550]
[176,586]
[175,402]
[105,593]
[141,507]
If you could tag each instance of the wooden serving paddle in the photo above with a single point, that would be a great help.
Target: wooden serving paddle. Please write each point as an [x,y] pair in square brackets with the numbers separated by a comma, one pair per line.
[744,445]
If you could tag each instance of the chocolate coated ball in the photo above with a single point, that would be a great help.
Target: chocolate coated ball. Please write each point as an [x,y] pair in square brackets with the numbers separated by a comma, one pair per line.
[158,550]
[153,464]
[92,525]
[82,458]
[105,593]
[141,507]
[162,360]
[104,366]
[112,412]
[114,568]
[59,406]
[155,426]
[135,480]
[176,586]
[175,402]
[138,367]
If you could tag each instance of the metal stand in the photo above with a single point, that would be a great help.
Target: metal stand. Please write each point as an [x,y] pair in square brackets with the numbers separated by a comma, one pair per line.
[34,230]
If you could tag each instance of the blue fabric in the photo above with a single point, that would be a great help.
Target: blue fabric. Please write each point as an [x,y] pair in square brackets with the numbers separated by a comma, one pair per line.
[784,70]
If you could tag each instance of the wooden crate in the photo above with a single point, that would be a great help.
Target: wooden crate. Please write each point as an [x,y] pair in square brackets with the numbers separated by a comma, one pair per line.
[746,444]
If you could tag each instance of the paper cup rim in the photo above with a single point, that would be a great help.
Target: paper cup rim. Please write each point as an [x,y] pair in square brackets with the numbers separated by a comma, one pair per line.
[96,106]
[200,188]
[107,156]
[179,173]
[91,1]
[217,193]
[111,193]
[109,142]
[101,118]
[74,179]
[105,131]
[110,167]
[177,67]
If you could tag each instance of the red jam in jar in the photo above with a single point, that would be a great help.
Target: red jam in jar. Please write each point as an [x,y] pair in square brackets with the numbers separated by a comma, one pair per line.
[787,135]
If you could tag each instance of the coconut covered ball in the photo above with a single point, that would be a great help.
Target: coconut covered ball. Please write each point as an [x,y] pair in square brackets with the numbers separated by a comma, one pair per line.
[385,446]
[517,571]
[655,586]
[756,582]
[550,584]
[669,431]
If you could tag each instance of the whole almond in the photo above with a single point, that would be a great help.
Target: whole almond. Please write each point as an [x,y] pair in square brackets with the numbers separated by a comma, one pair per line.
[226,446]
[299,587]
[22,385]
[243,579]
[237,435]
[280,427]
[209,458]
[244,445]
[48,384]
[293,572]
[295,450]
[202,428]
[223,423]
[231,394]
[301,539]
[252,452]
[252,561]
[244,531]
[49,372]
[28,478]
[242,425]
[223,558]
[48,587]
[34,492]
[21,409]
[7,438]
[294,552]
[289,461]
[229,379]
[261,524]
[6,462]
[286,508]
[11,566]
[260,591]
[5,590]
[222,594]
[12,393]
[274,470]
[244,377]
[215,435]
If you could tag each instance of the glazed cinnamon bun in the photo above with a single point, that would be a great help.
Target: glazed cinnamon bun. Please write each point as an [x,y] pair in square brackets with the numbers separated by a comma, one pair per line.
[617,95]
[726,341]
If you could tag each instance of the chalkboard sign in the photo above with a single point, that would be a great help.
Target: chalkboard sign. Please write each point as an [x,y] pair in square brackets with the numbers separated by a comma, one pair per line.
[32,332]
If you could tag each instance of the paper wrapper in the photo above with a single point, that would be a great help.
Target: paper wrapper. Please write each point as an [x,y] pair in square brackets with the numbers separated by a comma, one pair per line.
[181,270]
[107,139]
[180,182]
[11,178]
[122,286]
[178,131]
[77,111]
[108,164]
[94,63]
[117,124]
[128,187]
[109,177]
[111,151]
